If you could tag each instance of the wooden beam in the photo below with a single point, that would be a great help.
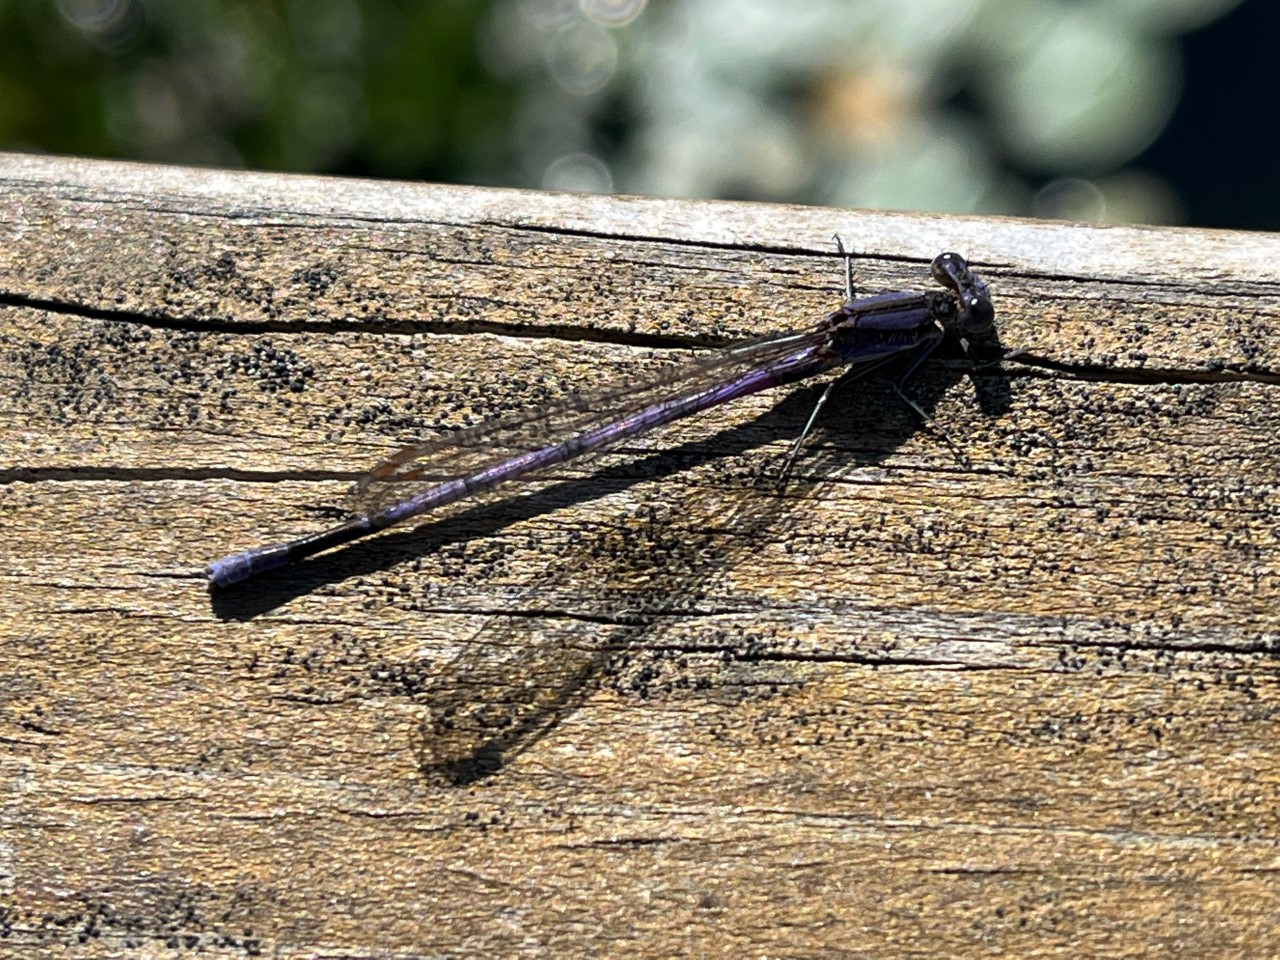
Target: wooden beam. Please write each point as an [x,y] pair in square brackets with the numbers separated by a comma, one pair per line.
[1021,699]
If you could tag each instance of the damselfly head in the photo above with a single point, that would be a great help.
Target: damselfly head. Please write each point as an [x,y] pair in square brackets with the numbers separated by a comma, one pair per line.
[973,306]
[950,270]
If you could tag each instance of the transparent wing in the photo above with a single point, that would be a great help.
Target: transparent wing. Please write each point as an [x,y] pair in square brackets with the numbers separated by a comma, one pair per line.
[417,467]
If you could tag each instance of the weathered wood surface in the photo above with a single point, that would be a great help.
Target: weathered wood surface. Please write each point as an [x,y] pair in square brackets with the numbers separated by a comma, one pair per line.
[1023,702]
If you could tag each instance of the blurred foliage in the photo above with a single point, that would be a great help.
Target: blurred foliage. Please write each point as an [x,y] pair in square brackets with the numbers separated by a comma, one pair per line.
[392,88]
[1041,107]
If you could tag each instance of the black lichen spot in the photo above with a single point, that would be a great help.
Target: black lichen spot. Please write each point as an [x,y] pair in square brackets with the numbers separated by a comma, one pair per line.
[275,369]
[224,268]
[71,381]
[317,279]
[192,278]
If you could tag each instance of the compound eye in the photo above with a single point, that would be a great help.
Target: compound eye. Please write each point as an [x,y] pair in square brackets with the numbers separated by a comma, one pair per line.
[977,315]
[950,270]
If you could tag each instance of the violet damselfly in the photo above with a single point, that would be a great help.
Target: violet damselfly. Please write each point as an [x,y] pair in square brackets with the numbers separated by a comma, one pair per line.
[864,335]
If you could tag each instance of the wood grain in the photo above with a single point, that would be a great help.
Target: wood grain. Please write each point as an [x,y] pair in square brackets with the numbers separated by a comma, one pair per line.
[1022,700]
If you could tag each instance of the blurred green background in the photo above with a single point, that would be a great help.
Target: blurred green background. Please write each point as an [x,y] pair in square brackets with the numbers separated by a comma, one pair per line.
[1120,110]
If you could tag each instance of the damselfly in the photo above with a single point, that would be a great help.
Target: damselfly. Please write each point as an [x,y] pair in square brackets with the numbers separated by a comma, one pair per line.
[864,334]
